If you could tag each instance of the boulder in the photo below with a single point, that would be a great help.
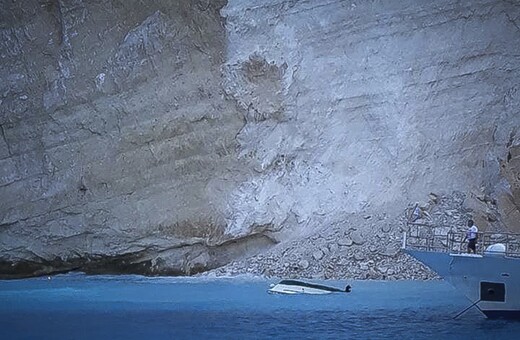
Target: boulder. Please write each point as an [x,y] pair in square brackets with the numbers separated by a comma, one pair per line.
[303,264]
[317,255]
[346,242]
[357,237]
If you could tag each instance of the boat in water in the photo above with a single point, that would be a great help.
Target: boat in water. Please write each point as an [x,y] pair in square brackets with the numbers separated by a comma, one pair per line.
[490,278]
[299,287]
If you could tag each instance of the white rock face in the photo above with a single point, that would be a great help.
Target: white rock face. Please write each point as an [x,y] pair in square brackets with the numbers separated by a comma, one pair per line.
[370,104]
[174,137]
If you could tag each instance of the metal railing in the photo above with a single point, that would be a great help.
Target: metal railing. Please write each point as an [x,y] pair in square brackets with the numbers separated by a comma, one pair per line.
[447,240]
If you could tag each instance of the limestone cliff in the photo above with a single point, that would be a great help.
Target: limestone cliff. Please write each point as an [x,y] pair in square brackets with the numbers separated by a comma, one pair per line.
[171,137]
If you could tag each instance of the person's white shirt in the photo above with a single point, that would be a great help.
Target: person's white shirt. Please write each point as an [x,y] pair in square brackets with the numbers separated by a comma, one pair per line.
[472,232]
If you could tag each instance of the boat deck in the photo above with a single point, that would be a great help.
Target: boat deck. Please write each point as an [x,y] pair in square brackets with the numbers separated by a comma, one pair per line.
[448,240]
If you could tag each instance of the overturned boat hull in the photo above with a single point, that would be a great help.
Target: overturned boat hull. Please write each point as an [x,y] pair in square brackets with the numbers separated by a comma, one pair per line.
[299,287]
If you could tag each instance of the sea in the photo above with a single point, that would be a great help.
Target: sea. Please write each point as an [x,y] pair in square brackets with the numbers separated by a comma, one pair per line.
[79,306]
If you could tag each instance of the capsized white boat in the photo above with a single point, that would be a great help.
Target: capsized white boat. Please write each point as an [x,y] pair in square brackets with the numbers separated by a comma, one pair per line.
[299,287]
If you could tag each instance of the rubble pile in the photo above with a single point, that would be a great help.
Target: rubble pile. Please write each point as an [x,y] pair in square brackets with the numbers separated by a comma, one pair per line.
[362,247]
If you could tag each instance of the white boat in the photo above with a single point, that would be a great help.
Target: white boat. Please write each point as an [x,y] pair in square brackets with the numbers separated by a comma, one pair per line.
[299,287]
[490,279]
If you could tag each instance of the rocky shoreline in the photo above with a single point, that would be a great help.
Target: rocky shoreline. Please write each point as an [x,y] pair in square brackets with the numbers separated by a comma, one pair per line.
[366,247]
[362,247]
[334,255]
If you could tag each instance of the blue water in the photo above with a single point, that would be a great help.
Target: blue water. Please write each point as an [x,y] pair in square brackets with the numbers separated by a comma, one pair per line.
[77,306]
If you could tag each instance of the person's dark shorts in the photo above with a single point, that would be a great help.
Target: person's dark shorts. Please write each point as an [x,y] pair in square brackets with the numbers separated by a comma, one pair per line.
[472,244]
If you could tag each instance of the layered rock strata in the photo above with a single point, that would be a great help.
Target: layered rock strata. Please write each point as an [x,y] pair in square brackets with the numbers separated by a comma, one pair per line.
[175,137]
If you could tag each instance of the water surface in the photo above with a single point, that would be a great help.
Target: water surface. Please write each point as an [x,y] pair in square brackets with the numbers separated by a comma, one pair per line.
[77,306]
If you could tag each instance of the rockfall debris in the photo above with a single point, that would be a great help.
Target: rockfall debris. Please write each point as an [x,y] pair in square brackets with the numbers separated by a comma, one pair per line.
[363,247]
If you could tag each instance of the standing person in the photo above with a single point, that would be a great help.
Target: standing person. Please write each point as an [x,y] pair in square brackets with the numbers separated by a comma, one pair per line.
[472,236]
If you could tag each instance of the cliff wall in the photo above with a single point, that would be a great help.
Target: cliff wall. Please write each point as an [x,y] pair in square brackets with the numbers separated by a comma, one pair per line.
[174,137]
